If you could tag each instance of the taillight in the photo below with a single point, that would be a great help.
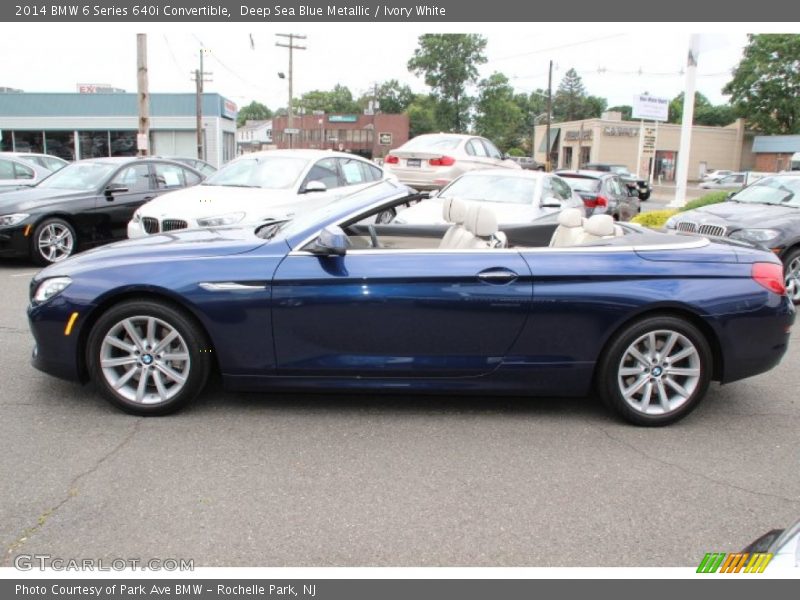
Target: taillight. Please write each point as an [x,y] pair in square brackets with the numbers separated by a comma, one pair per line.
[594,202]
[769,276]
[442,161]
[601,201]
[391,160]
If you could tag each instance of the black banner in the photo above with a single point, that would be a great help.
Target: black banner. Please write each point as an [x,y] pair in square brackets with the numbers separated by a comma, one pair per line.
[431,11]
[394,589]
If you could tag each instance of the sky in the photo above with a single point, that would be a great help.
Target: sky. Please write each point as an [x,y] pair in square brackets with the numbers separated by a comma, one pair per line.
[616,61]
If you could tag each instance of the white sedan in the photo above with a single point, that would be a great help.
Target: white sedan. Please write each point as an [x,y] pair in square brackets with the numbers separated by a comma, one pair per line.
[257,187]
[514,196]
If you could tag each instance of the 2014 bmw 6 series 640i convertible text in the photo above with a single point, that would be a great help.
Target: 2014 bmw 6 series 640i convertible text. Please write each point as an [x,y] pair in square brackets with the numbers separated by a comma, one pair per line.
[333,300]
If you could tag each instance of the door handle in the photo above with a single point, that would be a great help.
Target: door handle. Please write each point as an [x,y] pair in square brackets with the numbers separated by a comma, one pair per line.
[146,198]
[497,276]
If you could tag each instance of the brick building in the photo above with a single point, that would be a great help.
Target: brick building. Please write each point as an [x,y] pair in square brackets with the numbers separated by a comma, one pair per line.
[774,152]
[371,136]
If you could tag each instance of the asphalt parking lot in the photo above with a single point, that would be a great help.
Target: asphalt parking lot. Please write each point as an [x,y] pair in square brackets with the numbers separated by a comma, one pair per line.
[299,480]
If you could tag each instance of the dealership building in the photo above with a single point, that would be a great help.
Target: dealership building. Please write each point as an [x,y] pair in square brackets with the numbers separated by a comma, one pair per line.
[609,139]
[89,125]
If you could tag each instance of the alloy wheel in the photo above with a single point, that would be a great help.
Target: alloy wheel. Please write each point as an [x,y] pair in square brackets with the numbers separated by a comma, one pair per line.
[793,279]
[145,360]
[659,372]
[55,242]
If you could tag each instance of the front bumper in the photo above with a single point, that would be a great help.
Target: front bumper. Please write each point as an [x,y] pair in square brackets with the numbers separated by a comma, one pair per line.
[13,241]
[55,351]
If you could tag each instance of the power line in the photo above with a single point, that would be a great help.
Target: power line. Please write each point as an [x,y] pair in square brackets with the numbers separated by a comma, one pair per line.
[560,47]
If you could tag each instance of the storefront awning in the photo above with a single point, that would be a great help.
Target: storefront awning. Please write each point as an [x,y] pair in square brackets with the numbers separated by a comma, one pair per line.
[553,137]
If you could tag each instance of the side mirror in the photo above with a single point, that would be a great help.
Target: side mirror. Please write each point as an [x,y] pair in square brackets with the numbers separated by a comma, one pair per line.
[115,188]
[331,241]
[315,186]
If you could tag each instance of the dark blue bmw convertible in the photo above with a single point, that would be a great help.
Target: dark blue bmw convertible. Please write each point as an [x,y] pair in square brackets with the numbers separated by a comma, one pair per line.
[335,299]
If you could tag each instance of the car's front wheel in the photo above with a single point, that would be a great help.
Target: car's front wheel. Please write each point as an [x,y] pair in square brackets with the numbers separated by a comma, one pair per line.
[53,241]
[655,371]
[791,270]
[147,357]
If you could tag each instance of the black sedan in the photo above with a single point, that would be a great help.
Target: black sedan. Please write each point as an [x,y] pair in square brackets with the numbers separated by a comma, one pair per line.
[85,204]
[641,186]
[766,212]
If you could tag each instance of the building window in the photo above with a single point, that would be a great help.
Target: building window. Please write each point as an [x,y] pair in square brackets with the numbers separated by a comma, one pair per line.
[60,143]
[123,143]
[228,146]
[28,141]
[6,141]
[94,144]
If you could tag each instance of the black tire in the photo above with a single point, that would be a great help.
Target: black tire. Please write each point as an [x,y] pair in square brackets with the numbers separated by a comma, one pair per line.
[658,375]
[644,197]
[190,342]
[47,255]
[792,281]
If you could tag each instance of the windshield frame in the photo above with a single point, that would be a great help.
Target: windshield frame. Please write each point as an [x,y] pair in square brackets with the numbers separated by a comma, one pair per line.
[110,169]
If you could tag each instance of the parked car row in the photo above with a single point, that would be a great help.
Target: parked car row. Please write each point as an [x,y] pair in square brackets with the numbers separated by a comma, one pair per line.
[25,169]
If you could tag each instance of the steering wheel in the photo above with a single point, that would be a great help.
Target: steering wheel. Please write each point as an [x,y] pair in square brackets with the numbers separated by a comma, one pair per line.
[373,236]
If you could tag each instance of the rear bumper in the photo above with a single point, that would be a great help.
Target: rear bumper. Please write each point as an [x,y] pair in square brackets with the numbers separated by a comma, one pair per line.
[756,343]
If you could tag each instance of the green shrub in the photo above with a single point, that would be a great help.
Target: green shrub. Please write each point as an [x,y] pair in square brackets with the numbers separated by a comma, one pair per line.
[654,219]
[515,152]
[710,198]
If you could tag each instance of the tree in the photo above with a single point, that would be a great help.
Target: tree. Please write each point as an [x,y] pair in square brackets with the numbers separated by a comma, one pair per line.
[571,103]
[448,63]
[422,115]
[338,100]
[392,97]
[705,113]
[255,111]
[498,116]
[766,84]
[533,107]
[625,109]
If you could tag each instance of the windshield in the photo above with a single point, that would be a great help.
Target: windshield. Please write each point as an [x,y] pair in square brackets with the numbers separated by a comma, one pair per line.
[79,176]
[432,142]
[619,170]
[270,172]
[492,188]
[771,190]
[582,184]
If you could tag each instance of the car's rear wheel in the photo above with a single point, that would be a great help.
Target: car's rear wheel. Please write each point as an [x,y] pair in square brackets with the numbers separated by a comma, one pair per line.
[655,371]
[53,240]
[791,270]
[147,357]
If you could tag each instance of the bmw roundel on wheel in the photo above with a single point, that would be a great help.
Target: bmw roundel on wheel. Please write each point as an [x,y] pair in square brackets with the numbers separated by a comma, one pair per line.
[335,299]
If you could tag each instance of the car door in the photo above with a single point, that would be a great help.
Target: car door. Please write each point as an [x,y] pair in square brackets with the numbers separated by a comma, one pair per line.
[136,184]
[356,174]
[495,156]
[382,313]
[13,174]
[478,155]
[326,171]
[615,190]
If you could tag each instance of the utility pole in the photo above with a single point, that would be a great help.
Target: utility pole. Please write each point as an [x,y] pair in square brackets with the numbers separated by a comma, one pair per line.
[200,76]
[292,47]
[549,113]
[143,141]
[686,124]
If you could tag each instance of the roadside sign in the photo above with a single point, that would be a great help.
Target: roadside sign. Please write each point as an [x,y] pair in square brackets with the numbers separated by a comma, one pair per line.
[650,108]
[291,130]
[385,139]
[142,141]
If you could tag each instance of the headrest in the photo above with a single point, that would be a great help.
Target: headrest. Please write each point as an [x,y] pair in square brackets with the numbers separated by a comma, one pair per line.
[599,225]
[458,211]
[481,221]
[446,202]
[570,217]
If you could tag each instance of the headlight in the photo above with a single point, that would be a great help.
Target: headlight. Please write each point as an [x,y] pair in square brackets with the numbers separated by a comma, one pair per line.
[6,220]
[755,235]
[671,222]
[219,220]
[51,287]
[136,218]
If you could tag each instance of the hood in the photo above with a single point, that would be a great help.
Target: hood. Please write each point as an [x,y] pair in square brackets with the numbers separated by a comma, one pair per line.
[188,243]
[35,197]
[429,212]
[741,214]
[211,200]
